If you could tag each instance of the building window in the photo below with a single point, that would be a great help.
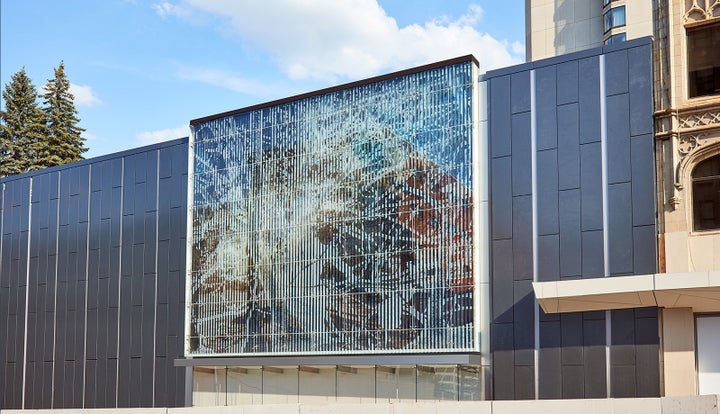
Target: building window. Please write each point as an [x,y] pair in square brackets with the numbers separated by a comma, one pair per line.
[706,194]
[616,38]
[615,17]
[703,51]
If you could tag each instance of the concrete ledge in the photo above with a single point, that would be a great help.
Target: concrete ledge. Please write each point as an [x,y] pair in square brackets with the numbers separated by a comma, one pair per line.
[697,290]
[704,404]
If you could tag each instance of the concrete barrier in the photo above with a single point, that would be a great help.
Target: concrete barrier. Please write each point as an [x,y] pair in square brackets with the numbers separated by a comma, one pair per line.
[704,404]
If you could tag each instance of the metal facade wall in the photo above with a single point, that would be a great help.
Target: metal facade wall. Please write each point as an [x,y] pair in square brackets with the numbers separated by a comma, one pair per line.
[554,208]
[92,282]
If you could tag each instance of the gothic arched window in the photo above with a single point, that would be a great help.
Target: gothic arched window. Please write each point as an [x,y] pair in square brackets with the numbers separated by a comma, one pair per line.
[706,194]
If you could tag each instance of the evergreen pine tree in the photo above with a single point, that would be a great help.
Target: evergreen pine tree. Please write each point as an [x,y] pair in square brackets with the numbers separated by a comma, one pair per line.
[22,127]
[66,144]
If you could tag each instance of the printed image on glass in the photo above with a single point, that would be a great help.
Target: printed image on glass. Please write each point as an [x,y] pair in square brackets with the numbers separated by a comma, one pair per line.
[337,223]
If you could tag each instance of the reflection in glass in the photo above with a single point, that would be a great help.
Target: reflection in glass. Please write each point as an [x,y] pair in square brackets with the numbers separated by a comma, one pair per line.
[615,17]
[337,223]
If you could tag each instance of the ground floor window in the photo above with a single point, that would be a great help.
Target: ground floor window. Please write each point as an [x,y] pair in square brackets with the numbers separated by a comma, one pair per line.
[708,357]
[213,386]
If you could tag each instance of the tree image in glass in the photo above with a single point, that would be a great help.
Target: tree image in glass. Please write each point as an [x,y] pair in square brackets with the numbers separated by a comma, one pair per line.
[32,137]
[23,131]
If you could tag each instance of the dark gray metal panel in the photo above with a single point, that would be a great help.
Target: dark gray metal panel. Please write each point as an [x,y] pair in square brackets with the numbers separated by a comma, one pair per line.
[162,329]
[622,350]
[545,107]
[136,384]
[549,361]
[91,389]
[571,335]
[103,324]
[151,166]
[501,200]
[589,99]
[567,82]
[502,281]
[524,329]
[521,154]
[111,389]
[591,184]
[503,361]
[522,238]
[592,254]
[499,114]
[520,92]
[136,336]
[149,252]
[47,389]
[594,358]
[548,257]
[48,355]
[646,350]
[620,230]
[163,281]
[164,217]
[165,167]
[162,398]
[640,87]
[623,381]
[103,191]
[616,73]
[644,249]
[547,192]
[618,139]
[573,381]
[92,334]
[524,382]
[643,178]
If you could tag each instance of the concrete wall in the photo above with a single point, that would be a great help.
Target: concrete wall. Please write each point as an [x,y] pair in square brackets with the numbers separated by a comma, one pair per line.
[706,404]
[572,196]
[92,270]
[557,27]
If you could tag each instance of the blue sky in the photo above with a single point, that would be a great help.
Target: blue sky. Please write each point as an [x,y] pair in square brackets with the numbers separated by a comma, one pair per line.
[142,69]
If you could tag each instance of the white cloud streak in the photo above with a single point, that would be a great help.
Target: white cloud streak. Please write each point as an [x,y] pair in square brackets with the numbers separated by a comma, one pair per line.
[332,40]
[152,137]
[84,95]
[165,9]
[230,81]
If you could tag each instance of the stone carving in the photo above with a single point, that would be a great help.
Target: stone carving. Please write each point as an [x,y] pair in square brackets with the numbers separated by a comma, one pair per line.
[700,119]
[698,10]
[687,143]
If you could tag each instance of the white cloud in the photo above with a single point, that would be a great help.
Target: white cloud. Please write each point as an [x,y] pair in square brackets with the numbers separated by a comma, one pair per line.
[165,9]
[332,40]
[84,95]
[152,137]
[230,81]
[518,48]
[89,136]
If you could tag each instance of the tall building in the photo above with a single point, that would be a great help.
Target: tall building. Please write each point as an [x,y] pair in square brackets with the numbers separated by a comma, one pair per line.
[557,27]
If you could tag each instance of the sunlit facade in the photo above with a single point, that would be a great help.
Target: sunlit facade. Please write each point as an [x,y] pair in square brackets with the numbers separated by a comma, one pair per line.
[338,223]
[341,222]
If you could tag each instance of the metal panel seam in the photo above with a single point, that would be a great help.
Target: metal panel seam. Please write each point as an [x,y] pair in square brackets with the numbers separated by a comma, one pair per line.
[27,294]
[87,282]
[157,219]
[120,261]
[606,241]
[534,201]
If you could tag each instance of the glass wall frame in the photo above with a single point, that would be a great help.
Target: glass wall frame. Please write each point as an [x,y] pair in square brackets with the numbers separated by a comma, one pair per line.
[337,223]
